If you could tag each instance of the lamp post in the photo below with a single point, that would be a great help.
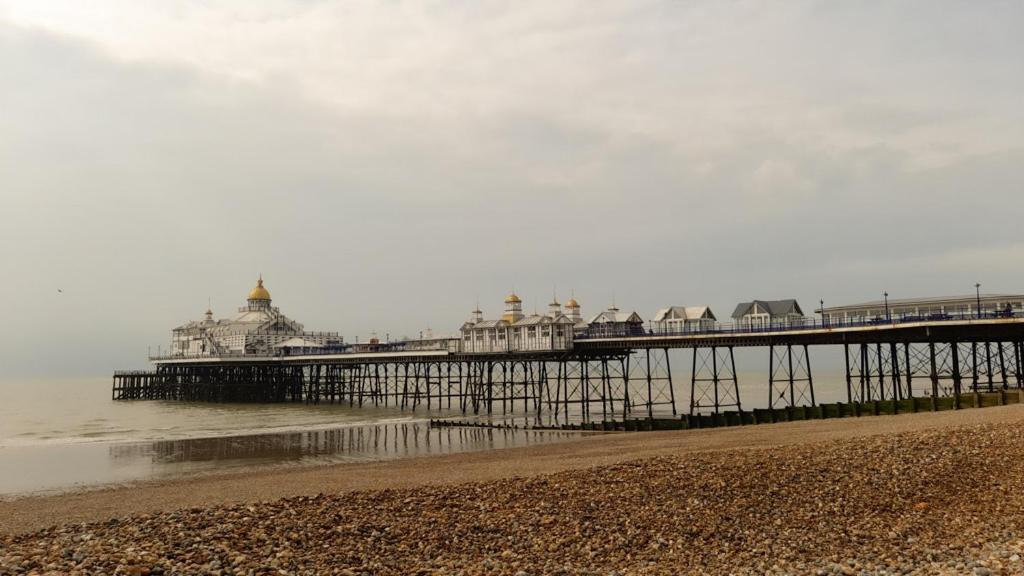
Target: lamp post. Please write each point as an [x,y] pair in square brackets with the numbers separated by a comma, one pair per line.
[977,294]
[886,296]
[821,309]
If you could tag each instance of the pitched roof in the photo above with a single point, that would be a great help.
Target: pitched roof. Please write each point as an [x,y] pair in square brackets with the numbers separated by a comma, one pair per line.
[610,316]
[685,313]
[489,324]
[532,319]
[774,307]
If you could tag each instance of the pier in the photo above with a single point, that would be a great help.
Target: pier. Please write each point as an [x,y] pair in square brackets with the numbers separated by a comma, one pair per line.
[617,375]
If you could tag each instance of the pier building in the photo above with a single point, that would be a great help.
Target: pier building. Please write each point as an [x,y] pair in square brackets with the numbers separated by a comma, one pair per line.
[615,321]
[767,313]
[518,332]
[258,329]
[924,308]
[676,319]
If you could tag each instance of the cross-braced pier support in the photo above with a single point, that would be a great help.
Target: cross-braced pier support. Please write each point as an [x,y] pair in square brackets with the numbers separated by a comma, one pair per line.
[900,371]
[603,386]
[713,380]
[789,376]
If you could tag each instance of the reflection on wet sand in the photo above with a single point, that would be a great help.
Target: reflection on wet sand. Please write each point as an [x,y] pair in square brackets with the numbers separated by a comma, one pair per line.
[358,443]
[59,467]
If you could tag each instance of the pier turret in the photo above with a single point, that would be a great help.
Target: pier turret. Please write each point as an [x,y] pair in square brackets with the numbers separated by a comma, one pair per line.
[476,315]
[554,308]
[513,309]
[572,310]
[259,297]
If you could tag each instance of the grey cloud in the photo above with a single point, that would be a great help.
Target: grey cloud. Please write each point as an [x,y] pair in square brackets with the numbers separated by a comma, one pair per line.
[670,155]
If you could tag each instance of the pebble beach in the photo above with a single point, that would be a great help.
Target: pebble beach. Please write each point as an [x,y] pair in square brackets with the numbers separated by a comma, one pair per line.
[916,494]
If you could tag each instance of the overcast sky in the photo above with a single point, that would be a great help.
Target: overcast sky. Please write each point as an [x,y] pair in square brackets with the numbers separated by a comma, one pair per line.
[386,164]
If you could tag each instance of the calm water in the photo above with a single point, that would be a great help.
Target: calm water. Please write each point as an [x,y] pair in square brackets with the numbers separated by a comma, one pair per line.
[64,434]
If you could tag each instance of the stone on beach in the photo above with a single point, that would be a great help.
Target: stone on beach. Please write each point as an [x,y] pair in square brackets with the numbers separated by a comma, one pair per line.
[945,501]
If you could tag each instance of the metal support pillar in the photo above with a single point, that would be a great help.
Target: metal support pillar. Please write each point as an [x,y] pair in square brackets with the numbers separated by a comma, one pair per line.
[988,366]
[1017,364]
[934,376]
[894,376]
[1002,366]
[849,378]
[650,389]
[974,367]
[954,350]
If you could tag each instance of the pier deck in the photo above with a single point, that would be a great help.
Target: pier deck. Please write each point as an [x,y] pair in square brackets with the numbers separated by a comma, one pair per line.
[627,375]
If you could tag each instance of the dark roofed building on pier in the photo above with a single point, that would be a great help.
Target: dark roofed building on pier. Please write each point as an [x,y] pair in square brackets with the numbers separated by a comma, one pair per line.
[767,313]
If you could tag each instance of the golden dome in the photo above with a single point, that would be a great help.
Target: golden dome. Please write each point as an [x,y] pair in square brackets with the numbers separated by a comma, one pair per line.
[512,298]
[572,303]
[259,292]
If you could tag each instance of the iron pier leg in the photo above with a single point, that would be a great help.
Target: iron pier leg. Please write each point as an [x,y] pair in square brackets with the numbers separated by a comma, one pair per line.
[881,371]
[693,383]
[1002,365]
[672,390]
[974,367]
[490,387]
[650,397]
[1018,353]
[810,378]
[736,382]
[910,372]
[545,386]
[988,365]
[865,374]
[955,351]
[558,386]
[894,375]
[605,389]
[934,375]
[849,379]
[714,370]
[789,362]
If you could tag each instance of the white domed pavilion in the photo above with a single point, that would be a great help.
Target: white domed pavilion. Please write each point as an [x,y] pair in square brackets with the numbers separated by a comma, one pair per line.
[258,329]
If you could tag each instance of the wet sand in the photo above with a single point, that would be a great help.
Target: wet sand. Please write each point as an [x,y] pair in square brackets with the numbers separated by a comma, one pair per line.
[33,513]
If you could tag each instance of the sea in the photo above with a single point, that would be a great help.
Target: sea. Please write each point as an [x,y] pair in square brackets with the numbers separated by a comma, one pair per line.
[59,435]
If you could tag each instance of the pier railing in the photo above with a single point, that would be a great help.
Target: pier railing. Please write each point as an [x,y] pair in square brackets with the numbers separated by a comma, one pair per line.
[726,328]
[637,331]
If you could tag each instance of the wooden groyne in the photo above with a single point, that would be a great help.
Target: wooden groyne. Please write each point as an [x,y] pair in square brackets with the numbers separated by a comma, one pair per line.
[767,415]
